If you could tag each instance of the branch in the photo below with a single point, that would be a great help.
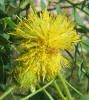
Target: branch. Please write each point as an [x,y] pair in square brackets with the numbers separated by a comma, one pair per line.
[76,6]
[25,98]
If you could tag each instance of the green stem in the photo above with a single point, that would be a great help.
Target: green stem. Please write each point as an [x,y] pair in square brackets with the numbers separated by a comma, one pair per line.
[59,91]
[49,96]
[75,14]
[7,92]
[72,3]
[62,80]
[75,5]
[25,98]
[46,92]
[13,96]
[73,88]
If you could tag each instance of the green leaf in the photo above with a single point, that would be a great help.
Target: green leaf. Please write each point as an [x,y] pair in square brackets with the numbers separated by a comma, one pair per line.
[32,6]
[6,36]
[10,23]
[83,4]
[84,97]
[77,53]
[2,2]
[84,28]
[80,75]
[77,17]
[61,1]
[70,55]
[2,14]
[87,15]
[58,9]
[85,44]
[1,70]
[43,6]
[2,7]
[3,41]
[13,4]
[24,4]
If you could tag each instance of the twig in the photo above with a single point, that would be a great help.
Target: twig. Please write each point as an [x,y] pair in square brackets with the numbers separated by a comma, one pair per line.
[25,98]
[7,92]
[77,6]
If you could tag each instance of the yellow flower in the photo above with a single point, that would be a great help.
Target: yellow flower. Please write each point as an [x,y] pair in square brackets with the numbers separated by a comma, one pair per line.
[23,78]
[42,38]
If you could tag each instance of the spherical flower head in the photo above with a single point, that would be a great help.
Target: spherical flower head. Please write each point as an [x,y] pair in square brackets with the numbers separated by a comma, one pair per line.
[43,38]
